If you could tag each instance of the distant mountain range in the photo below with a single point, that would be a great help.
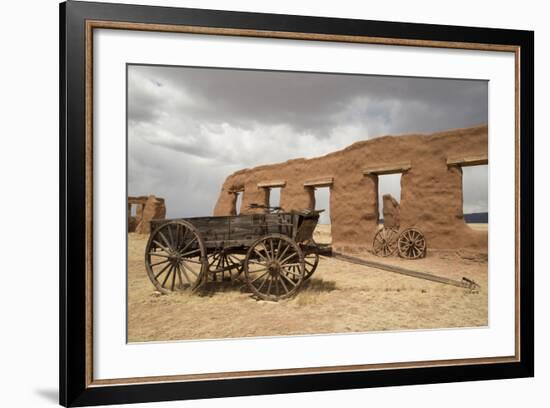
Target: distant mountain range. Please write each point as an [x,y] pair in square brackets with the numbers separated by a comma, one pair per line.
[477,218]
[473,218]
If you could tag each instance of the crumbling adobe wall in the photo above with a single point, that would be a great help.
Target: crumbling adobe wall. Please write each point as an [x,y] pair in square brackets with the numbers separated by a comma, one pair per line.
[148,208]
[431,190]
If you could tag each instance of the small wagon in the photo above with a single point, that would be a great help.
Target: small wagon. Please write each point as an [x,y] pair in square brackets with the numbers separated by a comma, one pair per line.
[275,251]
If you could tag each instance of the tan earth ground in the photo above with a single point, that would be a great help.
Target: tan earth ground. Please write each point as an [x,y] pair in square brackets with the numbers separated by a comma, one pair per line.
[340,297]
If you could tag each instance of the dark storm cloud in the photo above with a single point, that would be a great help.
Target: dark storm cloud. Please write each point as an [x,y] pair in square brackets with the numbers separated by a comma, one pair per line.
[189,128]
[308,102]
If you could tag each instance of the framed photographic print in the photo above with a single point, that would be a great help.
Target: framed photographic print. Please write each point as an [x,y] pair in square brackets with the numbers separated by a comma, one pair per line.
[256,203]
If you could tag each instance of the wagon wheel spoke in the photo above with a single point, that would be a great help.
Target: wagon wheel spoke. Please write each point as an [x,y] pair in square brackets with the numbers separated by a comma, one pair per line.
[158,254]
[282,282]
[180,277]
[283,261]
[166,242]
[234,259]
[263,283]
[278,247]
[177,239]
[174,277]
[185,266]
[272,252]
[259,277]
[193,261]
[167,250]
[187,254]
[269,285]
[160,263]
[255,262]
[167,275]
[171,242]
[280,256]
[188,245]
[184,271]
[162,271]
[267,253]
[258,270]
[260,255]
[289,280]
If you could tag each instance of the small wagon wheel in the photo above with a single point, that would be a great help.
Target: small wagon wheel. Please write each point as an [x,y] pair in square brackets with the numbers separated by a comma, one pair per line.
[385,242]
[222,263]
[270,264]
[175,257]
[412,244]
[311,260]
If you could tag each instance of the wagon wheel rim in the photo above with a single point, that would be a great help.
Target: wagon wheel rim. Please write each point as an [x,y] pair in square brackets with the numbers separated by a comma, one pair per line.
[385,242]
[270,267]
[224,263]
[175,257]
[311,261]
[412,244]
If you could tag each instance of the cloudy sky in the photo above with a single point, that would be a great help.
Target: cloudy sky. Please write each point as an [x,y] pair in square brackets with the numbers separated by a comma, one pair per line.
[189,128]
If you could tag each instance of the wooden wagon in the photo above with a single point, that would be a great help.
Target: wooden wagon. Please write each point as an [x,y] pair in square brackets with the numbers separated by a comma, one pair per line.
[275,251]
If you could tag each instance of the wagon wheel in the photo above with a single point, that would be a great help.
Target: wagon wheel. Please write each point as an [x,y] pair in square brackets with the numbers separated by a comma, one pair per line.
[269,267]
[412,244]
[175,257]
[222,263]
[385,242]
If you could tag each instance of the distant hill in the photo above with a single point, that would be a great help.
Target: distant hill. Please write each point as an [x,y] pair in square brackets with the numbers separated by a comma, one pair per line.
[473,218]
[477,218]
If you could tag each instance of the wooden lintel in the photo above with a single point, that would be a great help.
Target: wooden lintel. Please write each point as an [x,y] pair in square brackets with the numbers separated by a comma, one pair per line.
[272,184]
[467,161]
[320,182]
[137,200]
[388,169]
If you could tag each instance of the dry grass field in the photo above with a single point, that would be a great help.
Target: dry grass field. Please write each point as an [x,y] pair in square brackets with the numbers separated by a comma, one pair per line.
[340,297]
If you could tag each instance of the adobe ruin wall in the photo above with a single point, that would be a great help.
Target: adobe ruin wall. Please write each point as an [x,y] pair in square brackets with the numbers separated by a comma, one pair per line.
[147,208]
[431,186]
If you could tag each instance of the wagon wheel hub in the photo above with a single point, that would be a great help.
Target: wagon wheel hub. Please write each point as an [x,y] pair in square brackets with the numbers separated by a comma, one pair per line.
[175,259]
[274,268]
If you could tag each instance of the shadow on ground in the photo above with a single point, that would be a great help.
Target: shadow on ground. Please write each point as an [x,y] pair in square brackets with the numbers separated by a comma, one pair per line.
[315,285]
[210,289]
